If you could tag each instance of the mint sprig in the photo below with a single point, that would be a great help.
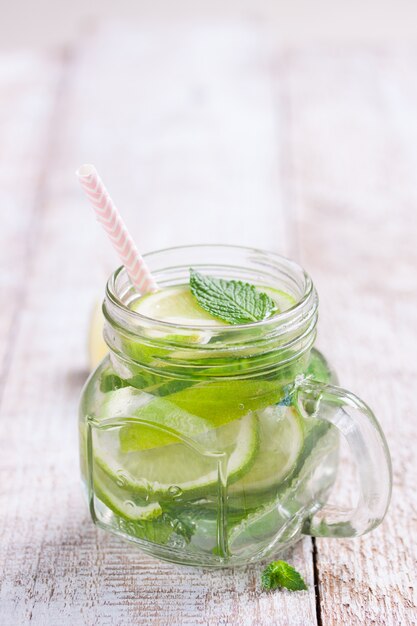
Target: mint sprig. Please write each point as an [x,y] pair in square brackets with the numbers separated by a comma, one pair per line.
[232,301]
[280,574]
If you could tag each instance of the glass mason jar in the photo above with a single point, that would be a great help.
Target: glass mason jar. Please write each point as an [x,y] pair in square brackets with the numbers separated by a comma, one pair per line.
[219,445]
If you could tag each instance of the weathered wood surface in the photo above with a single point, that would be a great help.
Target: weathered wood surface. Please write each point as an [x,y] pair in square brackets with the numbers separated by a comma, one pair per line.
[311,155]
[179,168]
[27,88]
[354,191]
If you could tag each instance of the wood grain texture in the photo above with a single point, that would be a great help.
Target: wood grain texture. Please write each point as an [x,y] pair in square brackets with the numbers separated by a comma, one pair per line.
[352,168]
[185,156]
[191,114]
[311,153]
[27,87]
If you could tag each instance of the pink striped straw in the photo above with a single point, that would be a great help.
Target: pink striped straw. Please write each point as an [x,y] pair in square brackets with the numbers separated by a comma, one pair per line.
[111,220]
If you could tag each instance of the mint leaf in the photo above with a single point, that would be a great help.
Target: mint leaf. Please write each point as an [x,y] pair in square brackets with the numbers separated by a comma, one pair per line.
[152,383]
[280,574]
[111,382]
[232,301]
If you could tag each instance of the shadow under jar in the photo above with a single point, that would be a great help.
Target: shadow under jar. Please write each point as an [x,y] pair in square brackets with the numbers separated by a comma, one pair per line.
[218,445]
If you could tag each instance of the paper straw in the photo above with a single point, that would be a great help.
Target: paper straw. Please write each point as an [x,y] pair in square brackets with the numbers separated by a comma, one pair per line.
[111,220]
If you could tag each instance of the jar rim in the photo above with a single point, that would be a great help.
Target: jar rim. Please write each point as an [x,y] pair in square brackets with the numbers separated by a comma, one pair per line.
[122,310]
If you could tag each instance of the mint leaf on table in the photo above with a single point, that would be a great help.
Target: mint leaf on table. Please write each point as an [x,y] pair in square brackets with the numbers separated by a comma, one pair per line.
[232,301]
[280,574]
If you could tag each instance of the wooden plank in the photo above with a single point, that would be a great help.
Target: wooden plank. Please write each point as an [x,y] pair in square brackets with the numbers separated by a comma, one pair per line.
[206,154]
[27,93]
[353,187]
[189,112]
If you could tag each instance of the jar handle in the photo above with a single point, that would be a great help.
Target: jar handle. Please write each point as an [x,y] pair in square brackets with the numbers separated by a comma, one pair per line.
[356,422]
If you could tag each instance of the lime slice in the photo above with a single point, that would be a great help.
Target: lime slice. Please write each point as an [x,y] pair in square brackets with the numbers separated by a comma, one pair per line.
[115,498]
[190,412]
[166,419]
[262,527]
[223,401]
[281,438]
[171,304]
[296,497]
[259,525]
[185,467]
[176,305]
[283,299]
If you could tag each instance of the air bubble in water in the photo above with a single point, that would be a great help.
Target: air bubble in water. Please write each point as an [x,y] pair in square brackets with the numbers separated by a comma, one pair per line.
[174,491]
[121,480]
[145,488]
[241,406]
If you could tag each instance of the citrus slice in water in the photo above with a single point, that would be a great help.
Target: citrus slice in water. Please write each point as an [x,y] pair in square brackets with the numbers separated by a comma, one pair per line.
[187,466]
[112,495]
[284,300]
[159,421]
[281,438]
[262,526]
[177,305]
[191,412]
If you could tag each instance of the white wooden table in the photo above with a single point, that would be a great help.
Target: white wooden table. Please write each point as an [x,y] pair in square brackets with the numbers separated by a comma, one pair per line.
[203,133]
